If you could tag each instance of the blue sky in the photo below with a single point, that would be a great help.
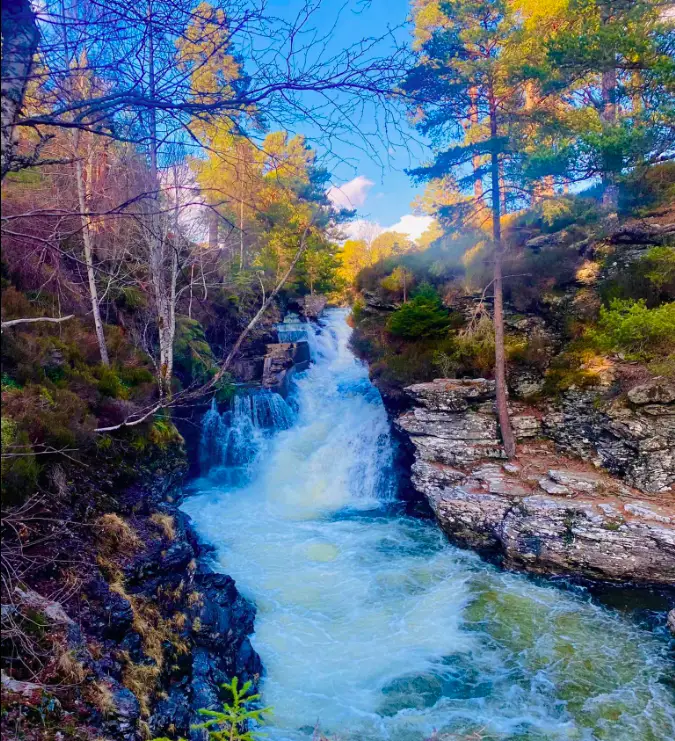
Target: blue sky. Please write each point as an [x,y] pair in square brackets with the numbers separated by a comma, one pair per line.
[380,190]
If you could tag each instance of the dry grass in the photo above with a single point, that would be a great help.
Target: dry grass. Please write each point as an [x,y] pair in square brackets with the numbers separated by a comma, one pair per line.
[100,695]
[155,633]
[166,523]
[195,598]
[141,679]
[70,669]
[116,535]
[179,620]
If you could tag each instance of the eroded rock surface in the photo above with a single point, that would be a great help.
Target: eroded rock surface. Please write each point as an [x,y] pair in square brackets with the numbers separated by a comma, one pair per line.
[542,512]
[633,439]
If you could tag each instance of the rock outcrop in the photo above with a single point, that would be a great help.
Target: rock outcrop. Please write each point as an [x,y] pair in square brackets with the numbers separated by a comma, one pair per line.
[281,361]
[542,512]
[632,438]
[313,305]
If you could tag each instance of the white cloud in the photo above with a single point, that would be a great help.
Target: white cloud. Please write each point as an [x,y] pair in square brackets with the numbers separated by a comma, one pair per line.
[352,194]
[409,224]
[413,226]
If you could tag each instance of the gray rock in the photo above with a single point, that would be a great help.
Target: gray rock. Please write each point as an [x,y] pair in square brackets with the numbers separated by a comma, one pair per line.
[604,532]
[552,488]
[282,359]
[671,621]
[313,305]
[451,394]
[658,391]
[526,425]
[576,481]
[543,534]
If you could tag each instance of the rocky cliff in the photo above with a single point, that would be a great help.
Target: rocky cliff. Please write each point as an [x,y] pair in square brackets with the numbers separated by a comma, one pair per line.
[545,511]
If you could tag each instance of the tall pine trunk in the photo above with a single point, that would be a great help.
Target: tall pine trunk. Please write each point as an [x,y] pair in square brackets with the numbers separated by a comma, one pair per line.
[475,159]
[500,353]
[610,192]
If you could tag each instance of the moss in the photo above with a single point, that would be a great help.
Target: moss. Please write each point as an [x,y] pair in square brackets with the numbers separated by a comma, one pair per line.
[193,358]
[163,433]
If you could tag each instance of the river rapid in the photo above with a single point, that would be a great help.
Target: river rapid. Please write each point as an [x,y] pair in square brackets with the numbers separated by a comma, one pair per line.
[370,624]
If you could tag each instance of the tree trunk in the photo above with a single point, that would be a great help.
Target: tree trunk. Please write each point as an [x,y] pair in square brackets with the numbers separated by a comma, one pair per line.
[163,284]
[500,352]
[213,229]
[610,194]
[241,234]
[89,259]
[475,159]
[20,36]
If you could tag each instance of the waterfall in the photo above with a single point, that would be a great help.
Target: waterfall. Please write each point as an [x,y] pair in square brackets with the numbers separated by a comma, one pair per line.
[234,439]
[370,622]
[292,329]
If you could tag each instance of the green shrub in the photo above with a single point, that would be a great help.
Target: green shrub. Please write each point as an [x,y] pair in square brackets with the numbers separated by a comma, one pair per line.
[553,214]
[193,357]
[358,310]
[109,384]
[9,384]
[651,278]
[232,723]
[20,469]
[632,328]
[423,316]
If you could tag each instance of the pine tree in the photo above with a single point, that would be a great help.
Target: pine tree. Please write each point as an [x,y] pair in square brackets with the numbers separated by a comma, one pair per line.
[463,82]
[610,65]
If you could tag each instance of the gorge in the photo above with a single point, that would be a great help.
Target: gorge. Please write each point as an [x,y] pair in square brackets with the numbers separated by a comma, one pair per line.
[369,623]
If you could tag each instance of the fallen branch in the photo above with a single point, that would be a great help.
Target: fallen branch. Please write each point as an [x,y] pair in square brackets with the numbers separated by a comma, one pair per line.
[133,423]
[31,320]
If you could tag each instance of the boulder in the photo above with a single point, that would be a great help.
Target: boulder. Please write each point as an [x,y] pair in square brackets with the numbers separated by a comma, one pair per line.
[545,534]
[658,391]
[313,305]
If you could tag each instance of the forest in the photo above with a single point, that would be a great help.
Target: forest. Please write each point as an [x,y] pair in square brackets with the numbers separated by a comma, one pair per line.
[171,211]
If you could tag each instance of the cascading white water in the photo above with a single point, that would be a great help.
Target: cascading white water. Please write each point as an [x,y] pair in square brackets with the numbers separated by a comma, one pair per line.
[233,440]
[292,329]
[372,625]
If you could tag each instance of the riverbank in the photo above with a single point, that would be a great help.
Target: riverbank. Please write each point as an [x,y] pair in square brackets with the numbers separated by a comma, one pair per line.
[144,632]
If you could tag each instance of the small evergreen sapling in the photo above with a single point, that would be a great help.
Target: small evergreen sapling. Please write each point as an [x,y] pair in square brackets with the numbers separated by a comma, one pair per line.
[231,724]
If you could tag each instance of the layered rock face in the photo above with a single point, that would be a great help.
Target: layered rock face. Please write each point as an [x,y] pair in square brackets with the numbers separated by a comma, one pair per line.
[542,512]
[634,440]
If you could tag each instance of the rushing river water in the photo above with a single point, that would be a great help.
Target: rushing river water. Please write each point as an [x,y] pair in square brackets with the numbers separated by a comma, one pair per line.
[371,624]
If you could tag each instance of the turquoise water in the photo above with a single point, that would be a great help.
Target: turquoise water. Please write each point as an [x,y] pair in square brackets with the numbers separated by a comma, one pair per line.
[373,627]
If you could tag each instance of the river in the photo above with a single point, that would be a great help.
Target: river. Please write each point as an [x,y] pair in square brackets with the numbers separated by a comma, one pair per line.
[369,622]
